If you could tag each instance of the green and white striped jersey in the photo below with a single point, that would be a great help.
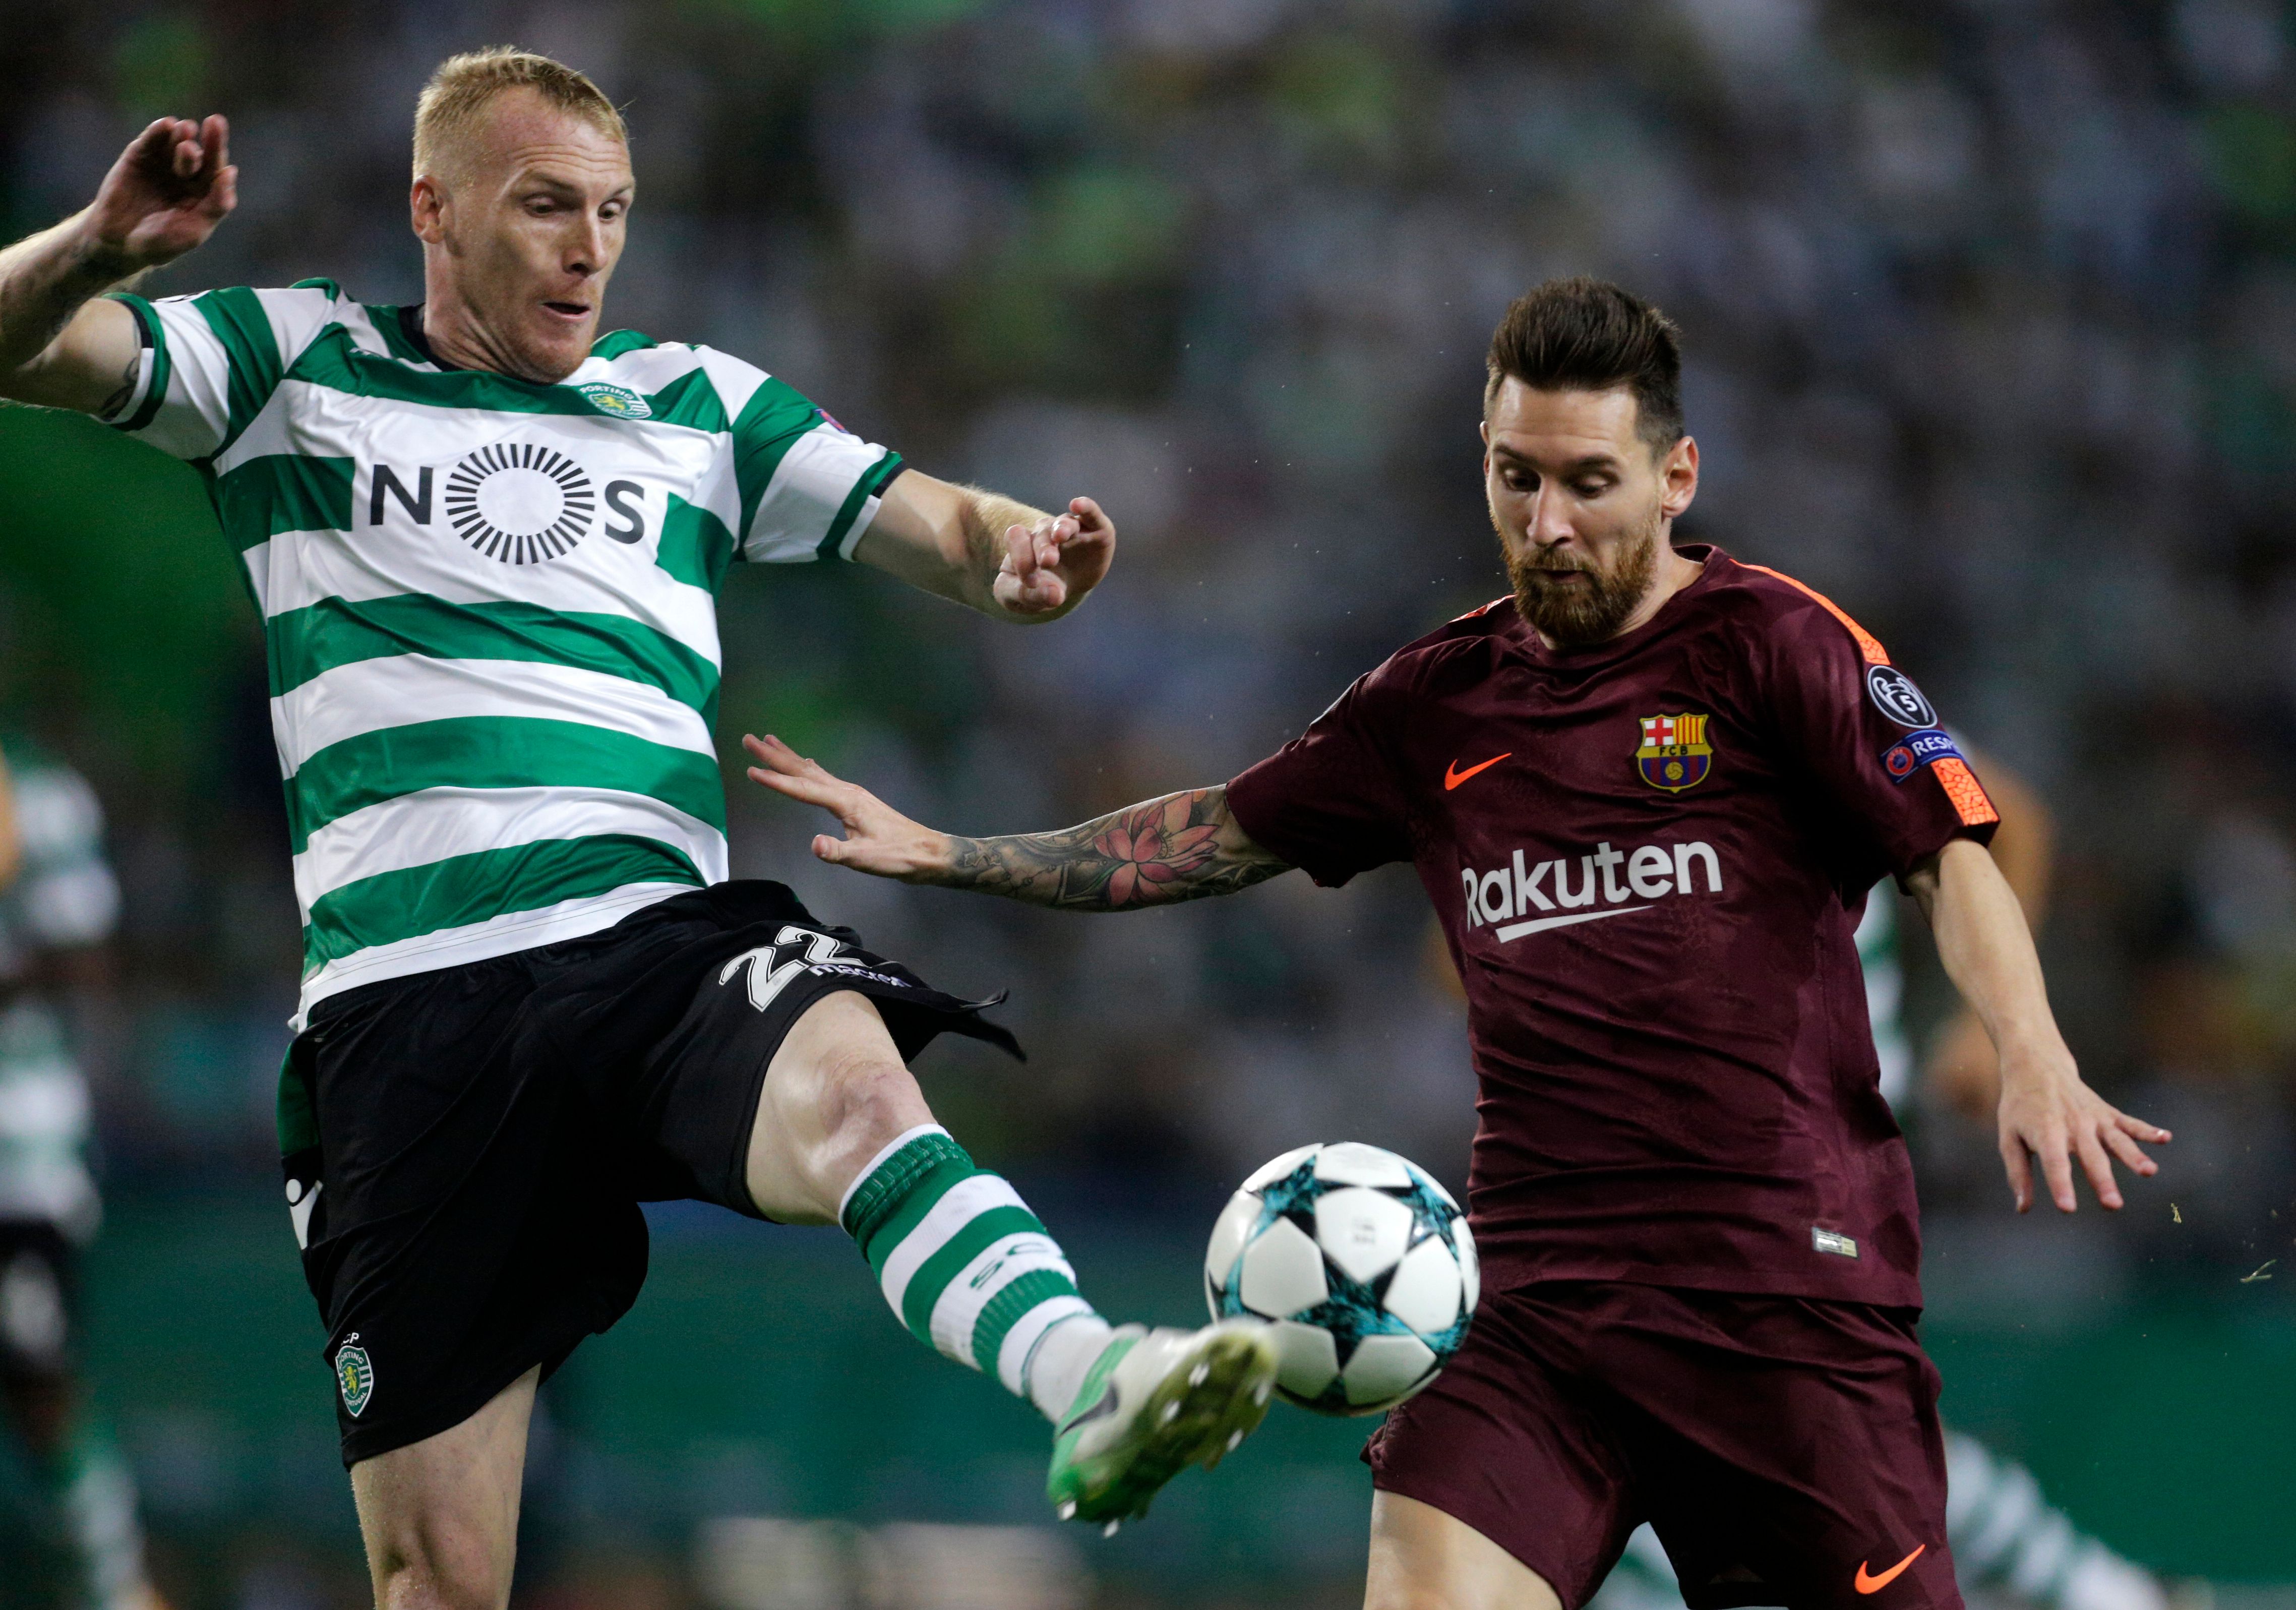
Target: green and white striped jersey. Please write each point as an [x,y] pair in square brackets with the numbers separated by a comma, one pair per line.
[489,605]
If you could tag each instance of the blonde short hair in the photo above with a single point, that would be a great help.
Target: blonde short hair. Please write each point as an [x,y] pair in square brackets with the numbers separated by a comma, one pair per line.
[464,85]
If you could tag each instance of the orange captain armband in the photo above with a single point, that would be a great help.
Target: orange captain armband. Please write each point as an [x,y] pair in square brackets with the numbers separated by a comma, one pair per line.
[1970,801]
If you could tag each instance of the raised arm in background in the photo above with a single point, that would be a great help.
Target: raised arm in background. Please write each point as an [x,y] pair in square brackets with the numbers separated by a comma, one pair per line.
[60,345]
[2046,1109]
[1182,847]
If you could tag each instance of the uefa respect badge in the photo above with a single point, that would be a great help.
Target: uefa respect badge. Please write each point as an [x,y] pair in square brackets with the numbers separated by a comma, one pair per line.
[355,1374]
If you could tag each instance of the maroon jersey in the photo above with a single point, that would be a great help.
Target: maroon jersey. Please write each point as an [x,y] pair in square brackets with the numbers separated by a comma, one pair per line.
[1649,857]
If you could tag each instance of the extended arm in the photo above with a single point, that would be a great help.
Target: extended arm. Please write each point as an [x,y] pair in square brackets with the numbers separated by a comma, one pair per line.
[59,346]
[1182,847]
[986,551]
[2046,1109]
[1963,1067]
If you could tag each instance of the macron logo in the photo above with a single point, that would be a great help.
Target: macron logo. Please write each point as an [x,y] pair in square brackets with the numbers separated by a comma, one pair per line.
[1651,872]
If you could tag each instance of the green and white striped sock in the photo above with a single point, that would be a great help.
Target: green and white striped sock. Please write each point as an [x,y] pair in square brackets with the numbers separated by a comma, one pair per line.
[967,1267]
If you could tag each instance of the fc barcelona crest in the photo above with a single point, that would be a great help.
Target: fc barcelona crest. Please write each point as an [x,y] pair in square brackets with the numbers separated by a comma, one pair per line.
[1674,755]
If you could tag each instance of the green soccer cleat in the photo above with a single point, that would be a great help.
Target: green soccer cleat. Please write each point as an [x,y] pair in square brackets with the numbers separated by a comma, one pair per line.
[1154,1402]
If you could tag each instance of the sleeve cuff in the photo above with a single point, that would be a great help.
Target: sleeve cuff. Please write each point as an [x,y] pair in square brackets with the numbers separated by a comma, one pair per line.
[859,510]
[142,403]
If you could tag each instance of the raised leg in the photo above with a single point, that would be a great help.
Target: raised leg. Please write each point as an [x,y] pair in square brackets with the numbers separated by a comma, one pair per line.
[1423,1559]
[842,1134]
[440,1517]
[836,1094]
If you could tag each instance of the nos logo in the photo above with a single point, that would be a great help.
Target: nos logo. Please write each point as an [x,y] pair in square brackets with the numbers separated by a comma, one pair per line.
[522,503]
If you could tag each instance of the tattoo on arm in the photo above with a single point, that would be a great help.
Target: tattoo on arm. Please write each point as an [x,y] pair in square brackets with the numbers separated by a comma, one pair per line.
[1182,847]
[127,378]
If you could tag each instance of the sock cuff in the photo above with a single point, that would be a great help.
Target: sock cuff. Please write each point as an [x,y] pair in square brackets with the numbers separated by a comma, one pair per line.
[886,1183]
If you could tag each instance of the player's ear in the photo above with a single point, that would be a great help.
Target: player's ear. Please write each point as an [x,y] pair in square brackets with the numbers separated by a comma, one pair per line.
[1679,471]
[426,202]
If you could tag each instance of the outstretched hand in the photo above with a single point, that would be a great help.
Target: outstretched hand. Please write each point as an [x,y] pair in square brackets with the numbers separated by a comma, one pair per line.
[2048,1112]
[879,840]
[1061,558]
[166,193]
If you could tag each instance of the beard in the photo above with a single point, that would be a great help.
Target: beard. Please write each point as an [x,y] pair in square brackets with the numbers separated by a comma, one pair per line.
[1571,602]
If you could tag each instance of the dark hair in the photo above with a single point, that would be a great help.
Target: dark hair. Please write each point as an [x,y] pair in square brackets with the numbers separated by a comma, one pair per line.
[1585,334]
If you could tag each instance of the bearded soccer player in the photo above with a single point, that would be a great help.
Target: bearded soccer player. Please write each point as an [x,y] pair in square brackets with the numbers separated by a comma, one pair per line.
[485,542]
[1647,795]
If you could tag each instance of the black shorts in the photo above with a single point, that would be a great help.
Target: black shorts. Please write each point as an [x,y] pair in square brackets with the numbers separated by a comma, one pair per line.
[39,1301]
[1785,1450]
[486,1131]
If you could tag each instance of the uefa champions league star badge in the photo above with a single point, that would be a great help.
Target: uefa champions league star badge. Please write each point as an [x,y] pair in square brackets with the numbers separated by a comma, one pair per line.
[355,1374]
[1674,755]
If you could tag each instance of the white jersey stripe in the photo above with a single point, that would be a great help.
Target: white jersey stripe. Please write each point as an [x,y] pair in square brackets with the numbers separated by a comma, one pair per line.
[434,824]
[296,569]
[369,695]
[496,936]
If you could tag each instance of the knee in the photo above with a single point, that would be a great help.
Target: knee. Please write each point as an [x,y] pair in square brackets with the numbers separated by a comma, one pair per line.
[439,1570]
[868,1096]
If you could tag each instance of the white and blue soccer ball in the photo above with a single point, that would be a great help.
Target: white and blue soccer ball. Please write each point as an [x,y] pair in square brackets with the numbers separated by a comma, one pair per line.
[1363,1264]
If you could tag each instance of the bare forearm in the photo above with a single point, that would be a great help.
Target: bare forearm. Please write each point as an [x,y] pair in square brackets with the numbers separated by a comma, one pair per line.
[44,279]
[1182,847]
[984,517]
[1985,946]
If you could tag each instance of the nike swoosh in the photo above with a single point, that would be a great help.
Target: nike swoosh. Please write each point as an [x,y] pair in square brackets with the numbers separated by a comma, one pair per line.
[1515,931]
[1874,1584]
[1452,777]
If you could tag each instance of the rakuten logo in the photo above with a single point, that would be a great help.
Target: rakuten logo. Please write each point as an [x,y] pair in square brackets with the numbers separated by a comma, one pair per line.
[1650,874]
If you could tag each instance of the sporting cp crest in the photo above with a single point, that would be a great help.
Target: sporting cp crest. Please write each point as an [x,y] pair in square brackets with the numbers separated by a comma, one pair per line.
[1674,754]
[355,1374]
[617,400]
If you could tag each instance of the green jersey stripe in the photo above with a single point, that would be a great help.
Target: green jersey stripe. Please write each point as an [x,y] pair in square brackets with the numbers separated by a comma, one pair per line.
[415,829]
[237,317]
[777,414]
[695,546]
[467,889]
[261,497]
[869,486]
[618,342]
[308,642]
[689,401]
[386,323]
[335,362]
[933,1274]
[495,752]
[155,340]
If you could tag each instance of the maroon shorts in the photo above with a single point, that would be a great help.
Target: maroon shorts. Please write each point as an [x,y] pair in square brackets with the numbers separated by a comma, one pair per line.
[1787,1450]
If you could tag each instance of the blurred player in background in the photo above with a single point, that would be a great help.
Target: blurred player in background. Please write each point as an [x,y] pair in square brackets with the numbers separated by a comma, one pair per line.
[55,918]
[486,542]
[1647,795]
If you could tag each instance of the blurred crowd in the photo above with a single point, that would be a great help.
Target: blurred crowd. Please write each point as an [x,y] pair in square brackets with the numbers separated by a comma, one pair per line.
[1990,315]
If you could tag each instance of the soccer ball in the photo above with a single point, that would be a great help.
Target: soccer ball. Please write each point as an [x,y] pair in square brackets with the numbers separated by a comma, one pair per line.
[1364,1265]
